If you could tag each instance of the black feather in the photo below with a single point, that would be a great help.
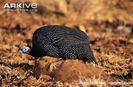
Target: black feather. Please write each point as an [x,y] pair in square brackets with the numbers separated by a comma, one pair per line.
[61,41]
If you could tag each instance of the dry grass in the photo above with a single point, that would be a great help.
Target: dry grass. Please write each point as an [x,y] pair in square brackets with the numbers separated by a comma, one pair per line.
[108,25]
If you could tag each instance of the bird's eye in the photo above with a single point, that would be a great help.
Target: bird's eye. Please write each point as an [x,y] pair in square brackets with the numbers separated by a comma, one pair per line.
[21,50]
[24,50]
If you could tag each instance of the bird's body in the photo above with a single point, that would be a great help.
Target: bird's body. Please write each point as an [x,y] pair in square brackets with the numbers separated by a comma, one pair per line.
[62,42]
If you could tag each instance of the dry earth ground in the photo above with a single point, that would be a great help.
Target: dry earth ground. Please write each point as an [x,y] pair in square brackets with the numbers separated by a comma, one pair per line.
[107,23]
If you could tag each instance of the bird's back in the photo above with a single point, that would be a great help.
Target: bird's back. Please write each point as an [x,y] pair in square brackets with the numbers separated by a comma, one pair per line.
[59,35]
[61,41]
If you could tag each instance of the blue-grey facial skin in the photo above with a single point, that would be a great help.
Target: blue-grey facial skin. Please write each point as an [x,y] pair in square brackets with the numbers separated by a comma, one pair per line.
[25,50]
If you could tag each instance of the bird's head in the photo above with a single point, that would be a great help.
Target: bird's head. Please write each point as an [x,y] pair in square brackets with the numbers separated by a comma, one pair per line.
[26,49]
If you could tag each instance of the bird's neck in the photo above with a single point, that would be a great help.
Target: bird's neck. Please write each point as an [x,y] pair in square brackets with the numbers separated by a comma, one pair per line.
[36,53]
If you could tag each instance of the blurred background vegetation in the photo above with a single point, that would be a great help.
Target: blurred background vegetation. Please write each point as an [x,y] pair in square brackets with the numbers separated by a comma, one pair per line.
[70,11]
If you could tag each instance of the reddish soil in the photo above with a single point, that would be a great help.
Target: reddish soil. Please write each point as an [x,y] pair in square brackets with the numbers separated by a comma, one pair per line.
[108,25]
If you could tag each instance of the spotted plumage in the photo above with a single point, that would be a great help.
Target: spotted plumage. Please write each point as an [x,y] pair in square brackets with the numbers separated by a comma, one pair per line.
[61,42]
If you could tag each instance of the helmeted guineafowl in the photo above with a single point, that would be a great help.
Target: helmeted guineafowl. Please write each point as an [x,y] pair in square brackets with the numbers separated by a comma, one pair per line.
[60,41]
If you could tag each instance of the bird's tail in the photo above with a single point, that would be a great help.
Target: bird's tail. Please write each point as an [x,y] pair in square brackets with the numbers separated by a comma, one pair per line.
[91,57]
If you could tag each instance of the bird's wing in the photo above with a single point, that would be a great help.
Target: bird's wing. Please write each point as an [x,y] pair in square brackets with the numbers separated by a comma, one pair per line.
[69,40]
[79,34]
